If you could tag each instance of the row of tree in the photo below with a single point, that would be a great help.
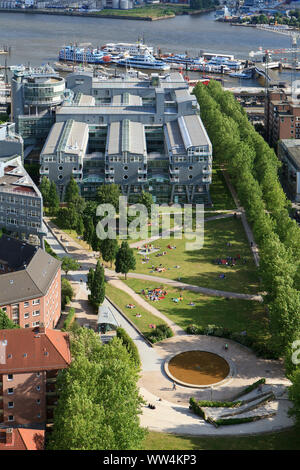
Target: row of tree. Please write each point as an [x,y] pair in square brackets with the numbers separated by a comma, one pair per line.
[253,167]
[99,402]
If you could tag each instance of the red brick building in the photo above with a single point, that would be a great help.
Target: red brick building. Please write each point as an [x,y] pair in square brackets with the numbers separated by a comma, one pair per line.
[30,284]
[29,363]
[282,116]
[22,439]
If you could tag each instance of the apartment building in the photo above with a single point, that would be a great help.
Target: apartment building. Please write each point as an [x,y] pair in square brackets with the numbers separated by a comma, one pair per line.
[143,134]
[282,116]
[29,363]
[21,203]
[30,284]
[289,154]
[22,439]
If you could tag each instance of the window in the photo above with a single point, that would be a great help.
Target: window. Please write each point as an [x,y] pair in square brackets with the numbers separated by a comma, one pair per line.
[26,304]
[10,377]
[36,313]
[36,302]
[10,404]
[10,418]
[10,391]
[35,323]
[26,325]
[26,315]
[38,401]
[38,388]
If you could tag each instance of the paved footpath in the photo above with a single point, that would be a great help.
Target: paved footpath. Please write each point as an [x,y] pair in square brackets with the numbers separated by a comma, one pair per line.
[172,414]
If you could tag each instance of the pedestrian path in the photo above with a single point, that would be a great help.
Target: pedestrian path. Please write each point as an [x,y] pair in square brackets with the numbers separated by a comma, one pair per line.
[247,228]
[171,413]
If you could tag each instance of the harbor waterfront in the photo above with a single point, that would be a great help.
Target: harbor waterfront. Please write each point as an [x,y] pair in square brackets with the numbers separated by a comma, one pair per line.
[40,37]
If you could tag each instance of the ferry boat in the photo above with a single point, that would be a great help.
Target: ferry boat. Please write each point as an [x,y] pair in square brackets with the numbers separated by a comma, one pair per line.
[183,59]
[132,49]
[82,54]
[143,61]
[233,64]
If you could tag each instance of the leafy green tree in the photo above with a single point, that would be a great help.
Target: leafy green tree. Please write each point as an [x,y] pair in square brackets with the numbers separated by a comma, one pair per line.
[96,284]
[69,264]
[109,194]
[294,395]
[99,402]
[89,231]
[80,225]
[53,197]
[5,322]
[109,248]
[67,292]
[72,191]
[125,259]
[147,200]
[45,190]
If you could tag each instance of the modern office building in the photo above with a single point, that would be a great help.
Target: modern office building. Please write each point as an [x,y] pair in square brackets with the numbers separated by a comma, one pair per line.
[10,142]
[289,154]
[35,95]
[143,134]
[21,203]
[29,363]
[63,153]
[30,284]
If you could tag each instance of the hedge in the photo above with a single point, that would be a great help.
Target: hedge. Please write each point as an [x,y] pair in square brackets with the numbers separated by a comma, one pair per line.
[252,386]
[70,318]
[261,349]
[130,346]
[159,333]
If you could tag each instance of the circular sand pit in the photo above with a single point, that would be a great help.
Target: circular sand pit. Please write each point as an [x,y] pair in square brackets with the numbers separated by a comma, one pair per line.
[197,368]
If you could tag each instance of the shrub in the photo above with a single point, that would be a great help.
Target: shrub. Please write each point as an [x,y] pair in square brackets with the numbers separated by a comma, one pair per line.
[130,346]
[70,318]
[260,349]
[67,293]
[160,333]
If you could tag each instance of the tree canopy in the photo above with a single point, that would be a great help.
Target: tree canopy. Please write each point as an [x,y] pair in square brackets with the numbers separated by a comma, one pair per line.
[99,402]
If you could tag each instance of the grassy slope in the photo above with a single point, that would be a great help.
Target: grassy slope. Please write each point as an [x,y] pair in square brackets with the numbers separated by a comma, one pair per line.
[197,267]
[122,299]
[234,314]
[287,440]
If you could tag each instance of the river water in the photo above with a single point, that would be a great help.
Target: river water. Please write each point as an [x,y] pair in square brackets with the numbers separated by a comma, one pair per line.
[36,39]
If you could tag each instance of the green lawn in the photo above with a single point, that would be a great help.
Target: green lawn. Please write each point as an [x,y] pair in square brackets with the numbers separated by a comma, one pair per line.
[235,314]
[219,192]
[197,267]
[121,299]
[286,440]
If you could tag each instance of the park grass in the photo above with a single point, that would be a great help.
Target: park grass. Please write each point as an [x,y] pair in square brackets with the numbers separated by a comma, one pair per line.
[235,314]
[285,440]
[197,267]
[219,192]
[121,299]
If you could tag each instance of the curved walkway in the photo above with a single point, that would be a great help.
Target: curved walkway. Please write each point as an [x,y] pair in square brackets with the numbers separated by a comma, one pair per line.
[202,290]
[172,414]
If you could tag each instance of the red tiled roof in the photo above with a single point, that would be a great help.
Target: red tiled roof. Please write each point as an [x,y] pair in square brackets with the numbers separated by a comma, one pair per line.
[23,439]
[26,349]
